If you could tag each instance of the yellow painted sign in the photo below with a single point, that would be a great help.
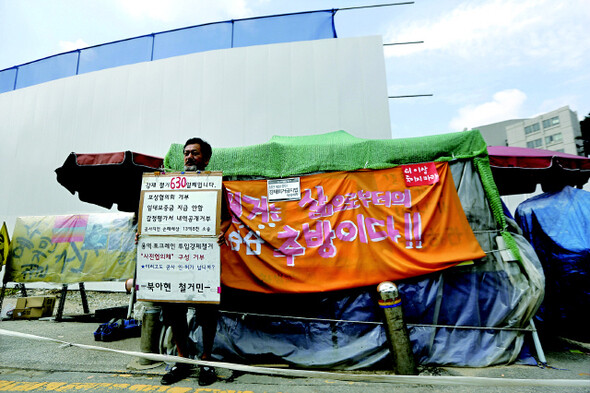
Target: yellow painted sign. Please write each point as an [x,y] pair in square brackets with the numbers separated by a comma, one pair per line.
[4,244]
[74,248]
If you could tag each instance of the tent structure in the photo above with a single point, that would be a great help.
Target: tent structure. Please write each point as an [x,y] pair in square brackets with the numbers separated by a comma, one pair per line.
[105,179]
[556,224]
[518,170]
[474,314]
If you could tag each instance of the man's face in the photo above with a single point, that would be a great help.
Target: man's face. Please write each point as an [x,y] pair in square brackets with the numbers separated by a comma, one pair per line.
[193,158]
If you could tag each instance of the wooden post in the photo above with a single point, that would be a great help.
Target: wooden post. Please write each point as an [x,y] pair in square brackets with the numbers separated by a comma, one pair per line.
[84,298]
[150,332]
[396,330]
[61,304]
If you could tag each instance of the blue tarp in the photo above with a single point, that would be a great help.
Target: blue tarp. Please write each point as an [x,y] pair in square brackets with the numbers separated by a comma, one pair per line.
[557,224]
[313,25]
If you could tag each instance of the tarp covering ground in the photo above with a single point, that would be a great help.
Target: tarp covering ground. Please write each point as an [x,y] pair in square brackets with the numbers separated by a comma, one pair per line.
[557,224]
[469,315]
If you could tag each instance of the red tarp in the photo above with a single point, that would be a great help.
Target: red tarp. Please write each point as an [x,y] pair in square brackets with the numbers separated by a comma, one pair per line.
[518,170]
[105,179]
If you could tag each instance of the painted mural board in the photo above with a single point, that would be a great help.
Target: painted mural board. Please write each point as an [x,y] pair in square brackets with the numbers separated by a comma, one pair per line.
[72,248]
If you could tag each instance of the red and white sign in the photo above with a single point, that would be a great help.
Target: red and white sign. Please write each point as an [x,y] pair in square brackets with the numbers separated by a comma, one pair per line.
[420,174]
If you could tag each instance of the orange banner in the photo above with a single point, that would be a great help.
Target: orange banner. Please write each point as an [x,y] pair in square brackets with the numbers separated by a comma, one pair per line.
[348,229]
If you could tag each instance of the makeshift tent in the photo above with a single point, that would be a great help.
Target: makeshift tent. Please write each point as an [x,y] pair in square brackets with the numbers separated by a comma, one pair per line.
[467,315]
[518,170]
[556,224]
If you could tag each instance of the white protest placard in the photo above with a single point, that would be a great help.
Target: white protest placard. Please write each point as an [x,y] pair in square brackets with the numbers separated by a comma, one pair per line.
[191,213]
[178,269]
[178,258]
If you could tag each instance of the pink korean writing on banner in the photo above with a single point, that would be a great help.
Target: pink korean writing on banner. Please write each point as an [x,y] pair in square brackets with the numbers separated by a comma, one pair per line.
[348,229]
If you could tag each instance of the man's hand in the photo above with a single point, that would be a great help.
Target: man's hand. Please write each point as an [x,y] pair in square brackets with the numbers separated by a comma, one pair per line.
[223,229]
[221,239]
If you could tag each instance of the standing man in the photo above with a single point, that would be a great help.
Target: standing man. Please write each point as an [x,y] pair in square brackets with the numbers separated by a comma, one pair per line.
[197,154]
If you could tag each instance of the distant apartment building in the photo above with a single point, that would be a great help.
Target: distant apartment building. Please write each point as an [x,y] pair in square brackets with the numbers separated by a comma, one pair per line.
[558,130]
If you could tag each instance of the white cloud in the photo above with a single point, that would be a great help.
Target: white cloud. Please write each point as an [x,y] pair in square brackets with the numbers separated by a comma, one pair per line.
[66,46]
[504,30]
[505,105]
[552,104]
[151,9]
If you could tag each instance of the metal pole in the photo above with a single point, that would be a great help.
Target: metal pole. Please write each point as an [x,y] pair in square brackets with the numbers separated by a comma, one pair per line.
[411,96]
[396,330]
[373,6]
[537,342]
[403,43]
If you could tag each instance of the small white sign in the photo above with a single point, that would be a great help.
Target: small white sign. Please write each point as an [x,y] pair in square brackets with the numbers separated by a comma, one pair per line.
[178,269]
[283,189]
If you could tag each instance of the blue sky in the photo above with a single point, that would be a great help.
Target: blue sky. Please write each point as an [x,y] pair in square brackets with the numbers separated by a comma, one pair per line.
[484,61]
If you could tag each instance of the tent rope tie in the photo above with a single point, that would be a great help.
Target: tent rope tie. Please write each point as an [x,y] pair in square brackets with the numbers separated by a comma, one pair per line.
[243,316]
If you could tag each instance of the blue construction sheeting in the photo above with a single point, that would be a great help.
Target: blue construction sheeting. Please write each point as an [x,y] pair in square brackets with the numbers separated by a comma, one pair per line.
[557,224]
[304,26]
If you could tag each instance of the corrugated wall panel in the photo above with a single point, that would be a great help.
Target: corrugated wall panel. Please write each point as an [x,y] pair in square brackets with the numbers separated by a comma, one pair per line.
[230,97]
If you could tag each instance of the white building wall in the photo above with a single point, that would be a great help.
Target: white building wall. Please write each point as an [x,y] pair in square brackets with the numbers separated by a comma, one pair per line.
[495,134]
[515,134]
[232,97]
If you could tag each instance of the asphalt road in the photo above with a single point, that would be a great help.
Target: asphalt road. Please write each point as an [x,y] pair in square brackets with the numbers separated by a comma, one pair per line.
[37,364]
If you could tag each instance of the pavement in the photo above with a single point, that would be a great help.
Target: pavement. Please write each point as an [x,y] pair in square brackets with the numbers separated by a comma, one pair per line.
[44,345]
[35,352]
[69,345]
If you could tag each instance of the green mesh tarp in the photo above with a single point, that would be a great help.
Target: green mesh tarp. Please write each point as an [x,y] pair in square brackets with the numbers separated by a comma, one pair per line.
[336,151]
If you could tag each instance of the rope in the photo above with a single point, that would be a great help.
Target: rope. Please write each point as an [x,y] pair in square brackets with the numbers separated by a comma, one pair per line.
[399,379]
[246,314]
